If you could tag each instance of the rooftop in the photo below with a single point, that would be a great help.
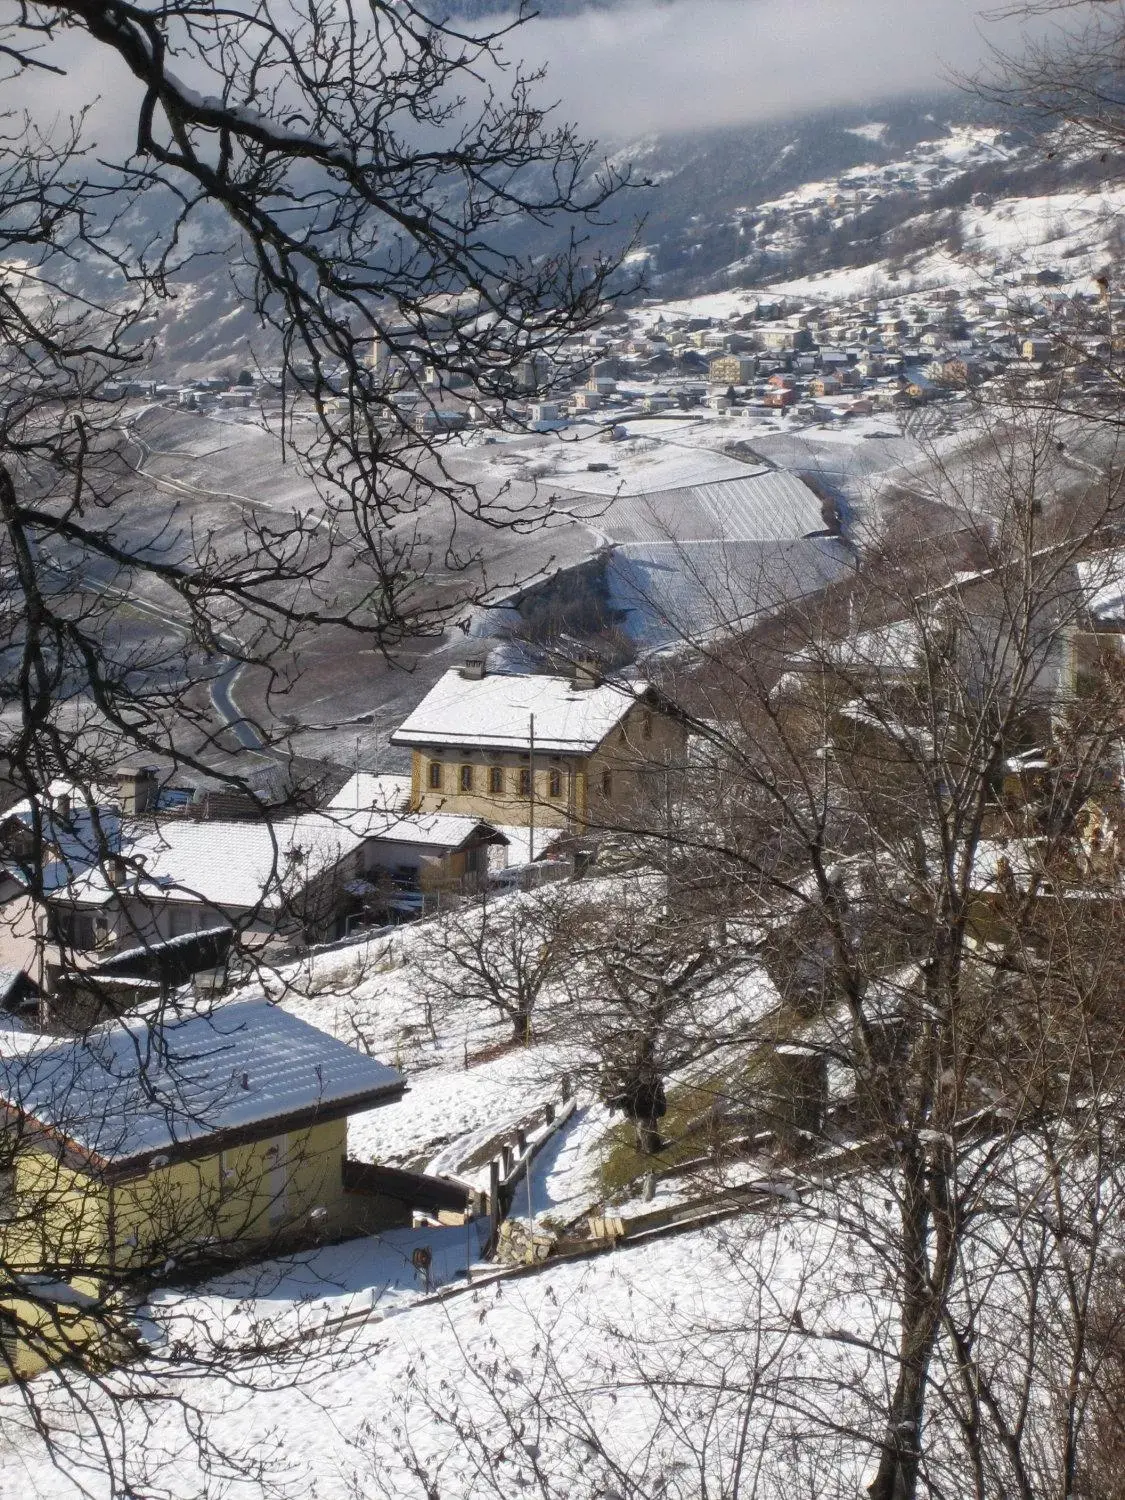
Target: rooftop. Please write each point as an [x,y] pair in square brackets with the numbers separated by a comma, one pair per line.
[133,1088]
[494,712]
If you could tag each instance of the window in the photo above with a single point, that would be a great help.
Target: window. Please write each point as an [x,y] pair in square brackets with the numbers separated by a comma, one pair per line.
[646,726]
[466,778]
[525,781]
[496,778]
[435,776]
[73,928]
[556,784]
[607,783]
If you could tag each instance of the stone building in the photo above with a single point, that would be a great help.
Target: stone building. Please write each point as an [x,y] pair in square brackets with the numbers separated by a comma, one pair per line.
[554,751]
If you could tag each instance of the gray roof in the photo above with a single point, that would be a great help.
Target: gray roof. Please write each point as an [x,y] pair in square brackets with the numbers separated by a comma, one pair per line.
[672,592]
[149,1085]
[771,507]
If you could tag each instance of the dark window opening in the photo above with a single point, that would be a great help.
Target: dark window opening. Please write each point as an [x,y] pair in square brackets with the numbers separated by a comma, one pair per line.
[9,1338]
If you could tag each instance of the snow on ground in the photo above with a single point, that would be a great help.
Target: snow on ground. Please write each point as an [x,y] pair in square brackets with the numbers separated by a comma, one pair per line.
[1058,227]
[873,131]
[468,1107]
[293,1294]
[383,1409]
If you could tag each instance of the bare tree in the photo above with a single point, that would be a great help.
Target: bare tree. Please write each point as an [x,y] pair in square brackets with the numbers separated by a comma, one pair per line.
[497,955]
[362,176]
[651,986]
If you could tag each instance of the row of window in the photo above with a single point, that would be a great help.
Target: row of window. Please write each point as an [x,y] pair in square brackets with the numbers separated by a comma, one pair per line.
[466,780]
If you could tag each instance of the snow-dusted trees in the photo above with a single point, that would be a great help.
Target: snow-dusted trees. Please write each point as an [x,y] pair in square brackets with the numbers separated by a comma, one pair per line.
[358,182]
[908,797]
[921,787]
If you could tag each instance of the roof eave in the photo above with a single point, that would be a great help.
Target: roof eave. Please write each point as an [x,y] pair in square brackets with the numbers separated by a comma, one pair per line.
[120,1168]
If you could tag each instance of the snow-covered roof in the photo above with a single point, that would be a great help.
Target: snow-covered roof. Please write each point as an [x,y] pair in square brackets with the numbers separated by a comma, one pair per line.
[71,843]
[366,790]
[771,507]
[435,830]
[494,712]
[141,1086]
[235,864]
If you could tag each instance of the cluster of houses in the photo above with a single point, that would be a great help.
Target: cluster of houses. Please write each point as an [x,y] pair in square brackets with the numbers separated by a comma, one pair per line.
[813,362]
[825,363]
[192,1129]
[138,885]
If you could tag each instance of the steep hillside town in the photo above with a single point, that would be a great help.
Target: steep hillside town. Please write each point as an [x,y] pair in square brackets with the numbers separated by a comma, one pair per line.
[562,773]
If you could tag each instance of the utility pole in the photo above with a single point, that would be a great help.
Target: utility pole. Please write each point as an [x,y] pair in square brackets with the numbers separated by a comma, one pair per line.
[531,790]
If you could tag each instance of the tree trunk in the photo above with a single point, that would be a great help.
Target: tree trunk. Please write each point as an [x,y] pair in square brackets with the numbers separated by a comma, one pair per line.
[521,1028]
[897,1475]
[649,1140]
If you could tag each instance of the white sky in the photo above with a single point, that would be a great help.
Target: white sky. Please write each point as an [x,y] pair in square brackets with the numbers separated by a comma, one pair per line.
[647,66]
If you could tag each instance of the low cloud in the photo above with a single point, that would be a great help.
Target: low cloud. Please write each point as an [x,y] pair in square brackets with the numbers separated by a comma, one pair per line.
[696,64]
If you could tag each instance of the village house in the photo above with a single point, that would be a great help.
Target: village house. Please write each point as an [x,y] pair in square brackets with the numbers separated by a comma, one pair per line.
[119,873]
[202,1135]
[732,369]
[553,751]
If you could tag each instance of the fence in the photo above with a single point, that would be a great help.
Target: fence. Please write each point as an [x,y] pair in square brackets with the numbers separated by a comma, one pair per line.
[507,1170]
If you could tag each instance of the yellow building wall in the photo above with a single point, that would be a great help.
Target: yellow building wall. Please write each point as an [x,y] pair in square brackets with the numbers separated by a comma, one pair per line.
[57,1231]
[73,1227]
[45,1332]
[58,1217]
[507,806]
[254,1193]
[76,1222]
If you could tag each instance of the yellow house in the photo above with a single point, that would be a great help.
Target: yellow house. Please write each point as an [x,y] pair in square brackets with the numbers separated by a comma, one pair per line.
[144,1144]
[559,752]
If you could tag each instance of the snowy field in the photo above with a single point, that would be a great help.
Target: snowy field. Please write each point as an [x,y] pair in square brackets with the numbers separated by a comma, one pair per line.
[428,1402]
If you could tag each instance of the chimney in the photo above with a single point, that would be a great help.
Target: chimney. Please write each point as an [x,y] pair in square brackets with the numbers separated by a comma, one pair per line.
[61,807]
[116,869]
[587,673]
[137,788]
[474,668]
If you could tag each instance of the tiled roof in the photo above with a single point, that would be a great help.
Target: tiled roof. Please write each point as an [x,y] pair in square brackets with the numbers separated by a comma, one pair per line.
[494,712]
[138,1087]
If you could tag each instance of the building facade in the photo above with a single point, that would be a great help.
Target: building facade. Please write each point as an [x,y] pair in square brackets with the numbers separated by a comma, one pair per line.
[549,751]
